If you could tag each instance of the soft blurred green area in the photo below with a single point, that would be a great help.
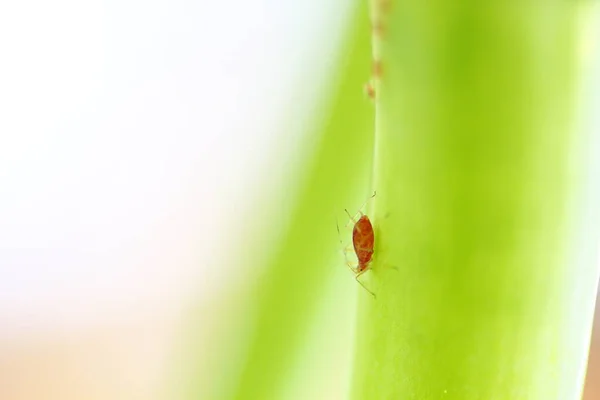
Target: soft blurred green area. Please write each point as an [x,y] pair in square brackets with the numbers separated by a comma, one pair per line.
[295,289]
[296,280]
[480,168]
[485,229]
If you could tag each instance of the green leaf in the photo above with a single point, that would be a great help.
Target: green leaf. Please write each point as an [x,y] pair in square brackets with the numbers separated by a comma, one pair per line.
[484,288]
[299,274]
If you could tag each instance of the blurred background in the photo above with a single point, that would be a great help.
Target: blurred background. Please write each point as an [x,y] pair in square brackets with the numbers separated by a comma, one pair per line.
[135,138]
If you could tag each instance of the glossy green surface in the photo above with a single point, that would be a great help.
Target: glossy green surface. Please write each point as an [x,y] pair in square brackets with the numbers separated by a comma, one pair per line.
[480,169]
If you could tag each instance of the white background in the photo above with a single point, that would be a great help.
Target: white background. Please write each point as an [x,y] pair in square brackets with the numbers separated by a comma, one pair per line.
[132,134]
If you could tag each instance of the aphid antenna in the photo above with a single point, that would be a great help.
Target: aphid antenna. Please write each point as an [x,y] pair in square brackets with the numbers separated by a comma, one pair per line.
[353,219]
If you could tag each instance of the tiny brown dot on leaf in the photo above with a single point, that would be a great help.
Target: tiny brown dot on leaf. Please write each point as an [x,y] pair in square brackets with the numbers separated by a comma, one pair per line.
[370,90]
[377,69]
[384,5]
[377,28]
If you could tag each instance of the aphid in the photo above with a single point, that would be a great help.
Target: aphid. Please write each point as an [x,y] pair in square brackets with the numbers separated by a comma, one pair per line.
[363,242]
[384,5]
[370,90]
[377,28]
[377,69]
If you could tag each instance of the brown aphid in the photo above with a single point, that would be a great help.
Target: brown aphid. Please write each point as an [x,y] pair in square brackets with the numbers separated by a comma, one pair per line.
[363,242]
[370,90]
[377,68]
[384,6]
[377,29]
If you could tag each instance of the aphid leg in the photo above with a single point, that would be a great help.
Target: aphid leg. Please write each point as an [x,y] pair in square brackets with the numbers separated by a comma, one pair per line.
[337,225]
[361,284]
[346,249]
[352,268]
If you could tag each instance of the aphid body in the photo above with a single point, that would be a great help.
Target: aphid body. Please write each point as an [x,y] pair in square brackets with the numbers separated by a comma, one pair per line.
[363,240]
[370,90]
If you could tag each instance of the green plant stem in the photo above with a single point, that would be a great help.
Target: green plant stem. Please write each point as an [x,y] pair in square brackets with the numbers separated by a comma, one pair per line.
[294,282]
[479,206]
